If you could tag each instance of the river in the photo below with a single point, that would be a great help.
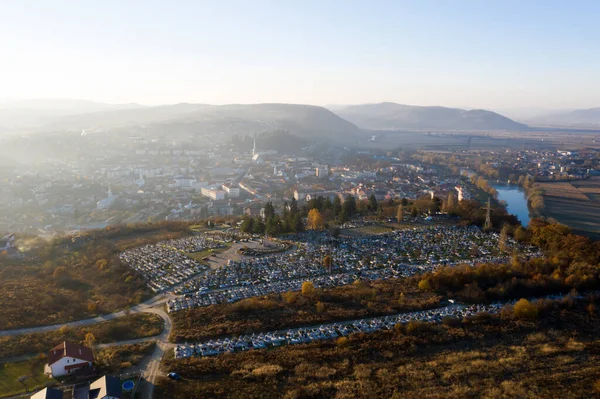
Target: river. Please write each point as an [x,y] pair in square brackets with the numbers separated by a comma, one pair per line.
[516,201]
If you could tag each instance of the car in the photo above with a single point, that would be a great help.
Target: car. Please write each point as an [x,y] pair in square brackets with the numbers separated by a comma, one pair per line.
[174,376]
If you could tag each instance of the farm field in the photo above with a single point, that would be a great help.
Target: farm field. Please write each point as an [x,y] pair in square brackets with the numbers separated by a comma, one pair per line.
[575,204]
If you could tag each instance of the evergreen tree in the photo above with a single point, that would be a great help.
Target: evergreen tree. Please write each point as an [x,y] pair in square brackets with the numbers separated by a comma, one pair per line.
[372,203]
[337,206]
[269,211]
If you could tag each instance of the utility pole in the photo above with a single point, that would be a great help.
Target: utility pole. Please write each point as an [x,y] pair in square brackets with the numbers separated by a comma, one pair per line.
[488,215]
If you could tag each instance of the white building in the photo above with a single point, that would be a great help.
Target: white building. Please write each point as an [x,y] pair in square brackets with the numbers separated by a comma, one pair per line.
[213,193]
[107,202]
[322,172]
[185,181]
[67,358]
[232,191]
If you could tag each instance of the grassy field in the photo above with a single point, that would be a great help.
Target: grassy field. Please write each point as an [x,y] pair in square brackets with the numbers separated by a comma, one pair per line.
[31,372]
[575,204]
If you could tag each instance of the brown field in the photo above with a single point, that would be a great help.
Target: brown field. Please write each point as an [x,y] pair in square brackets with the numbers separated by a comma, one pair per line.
[555,357]
[576,204]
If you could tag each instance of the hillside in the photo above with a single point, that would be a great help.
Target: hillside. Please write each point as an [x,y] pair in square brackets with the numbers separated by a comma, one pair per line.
[391,116]
[38,112]
[579,117]
[306,121]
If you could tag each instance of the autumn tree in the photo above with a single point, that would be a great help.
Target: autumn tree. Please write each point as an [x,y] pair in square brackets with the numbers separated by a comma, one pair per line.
[525,310]
[90,340]
[315,220]
[424,285]
[308,288]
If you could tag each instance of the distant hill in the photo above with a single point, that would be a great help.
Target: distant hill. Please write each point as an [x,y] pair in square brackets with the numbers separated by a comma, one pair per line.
[305,121]
[579,117]
[391,116]
[38,112]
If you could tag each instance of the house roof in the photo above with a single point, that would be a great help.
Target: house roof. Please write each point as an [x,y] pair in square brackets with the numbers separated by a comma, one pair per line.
[70,349]
[105,386]
[48,393]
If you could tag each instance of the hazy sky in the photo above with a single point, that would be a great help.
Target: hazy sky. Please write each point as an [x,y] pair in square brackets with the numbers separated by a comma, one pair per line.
[484,53]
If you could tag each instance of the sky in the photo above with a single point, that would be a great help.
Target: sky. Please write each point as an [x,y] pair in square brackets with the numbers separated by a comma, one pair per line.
[475,54]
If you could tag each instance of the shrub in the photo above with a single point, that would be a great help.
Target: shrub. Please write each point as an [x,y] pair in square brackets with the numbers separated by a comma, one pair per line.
[342,341]
[290,297]
[525,310]
[320,307]
[417,327]
[308,288]
[424,285]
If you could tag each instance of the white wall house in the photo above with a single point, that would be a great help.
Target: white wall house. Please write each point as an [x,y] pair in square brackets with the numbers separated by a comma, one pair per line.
[68,358]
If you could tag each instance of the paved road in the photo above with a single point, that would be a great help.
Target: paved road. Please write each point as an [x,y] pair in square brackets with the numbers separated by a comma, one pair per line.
[141,308]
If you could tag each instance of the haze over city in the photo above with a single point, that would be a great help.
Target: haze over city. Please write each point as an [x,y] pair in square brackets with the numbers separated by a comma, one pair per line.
[472,54]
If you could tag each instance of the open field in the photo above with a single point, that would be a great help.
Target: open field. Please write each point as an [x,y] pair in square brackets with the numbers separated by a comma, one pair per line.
[539,138]
[31,372]
[575,204]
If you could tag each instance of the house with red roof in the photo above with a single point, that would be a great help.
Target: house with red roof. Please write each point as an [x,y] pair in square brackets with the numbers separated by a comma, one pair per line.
[68,358]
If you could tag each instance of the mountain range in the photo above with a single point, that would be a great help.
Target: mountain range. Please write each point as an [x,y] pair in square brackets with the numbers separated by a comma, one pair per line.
[577,118]
[306,121]
[392,116]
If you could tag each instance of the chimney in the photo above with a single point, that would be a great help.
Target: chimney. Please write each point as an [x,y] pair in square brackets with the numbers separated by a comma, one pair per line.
[80,351]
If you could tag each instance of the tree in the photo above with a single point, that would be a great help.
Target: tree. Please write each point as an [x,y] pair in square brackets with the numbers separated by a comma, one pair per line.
[424,285]
[449,203]
[90,340]
[315,219]
[293,207]
[320,307]
[258,226]
[308,288]
[269,211]
[414,212]
[372,203]
[297,223]
[349,207]
[337,206]
[525,310]
[92,307]
[400,213]
[503,240]
[247,224]
[327,262]
[59,272]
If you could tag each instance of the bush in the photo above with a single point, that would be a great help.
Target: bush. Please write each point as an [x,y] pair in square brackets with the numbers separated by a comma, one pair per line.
[308,288]
[525,310]
[424,285]
[320,307]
